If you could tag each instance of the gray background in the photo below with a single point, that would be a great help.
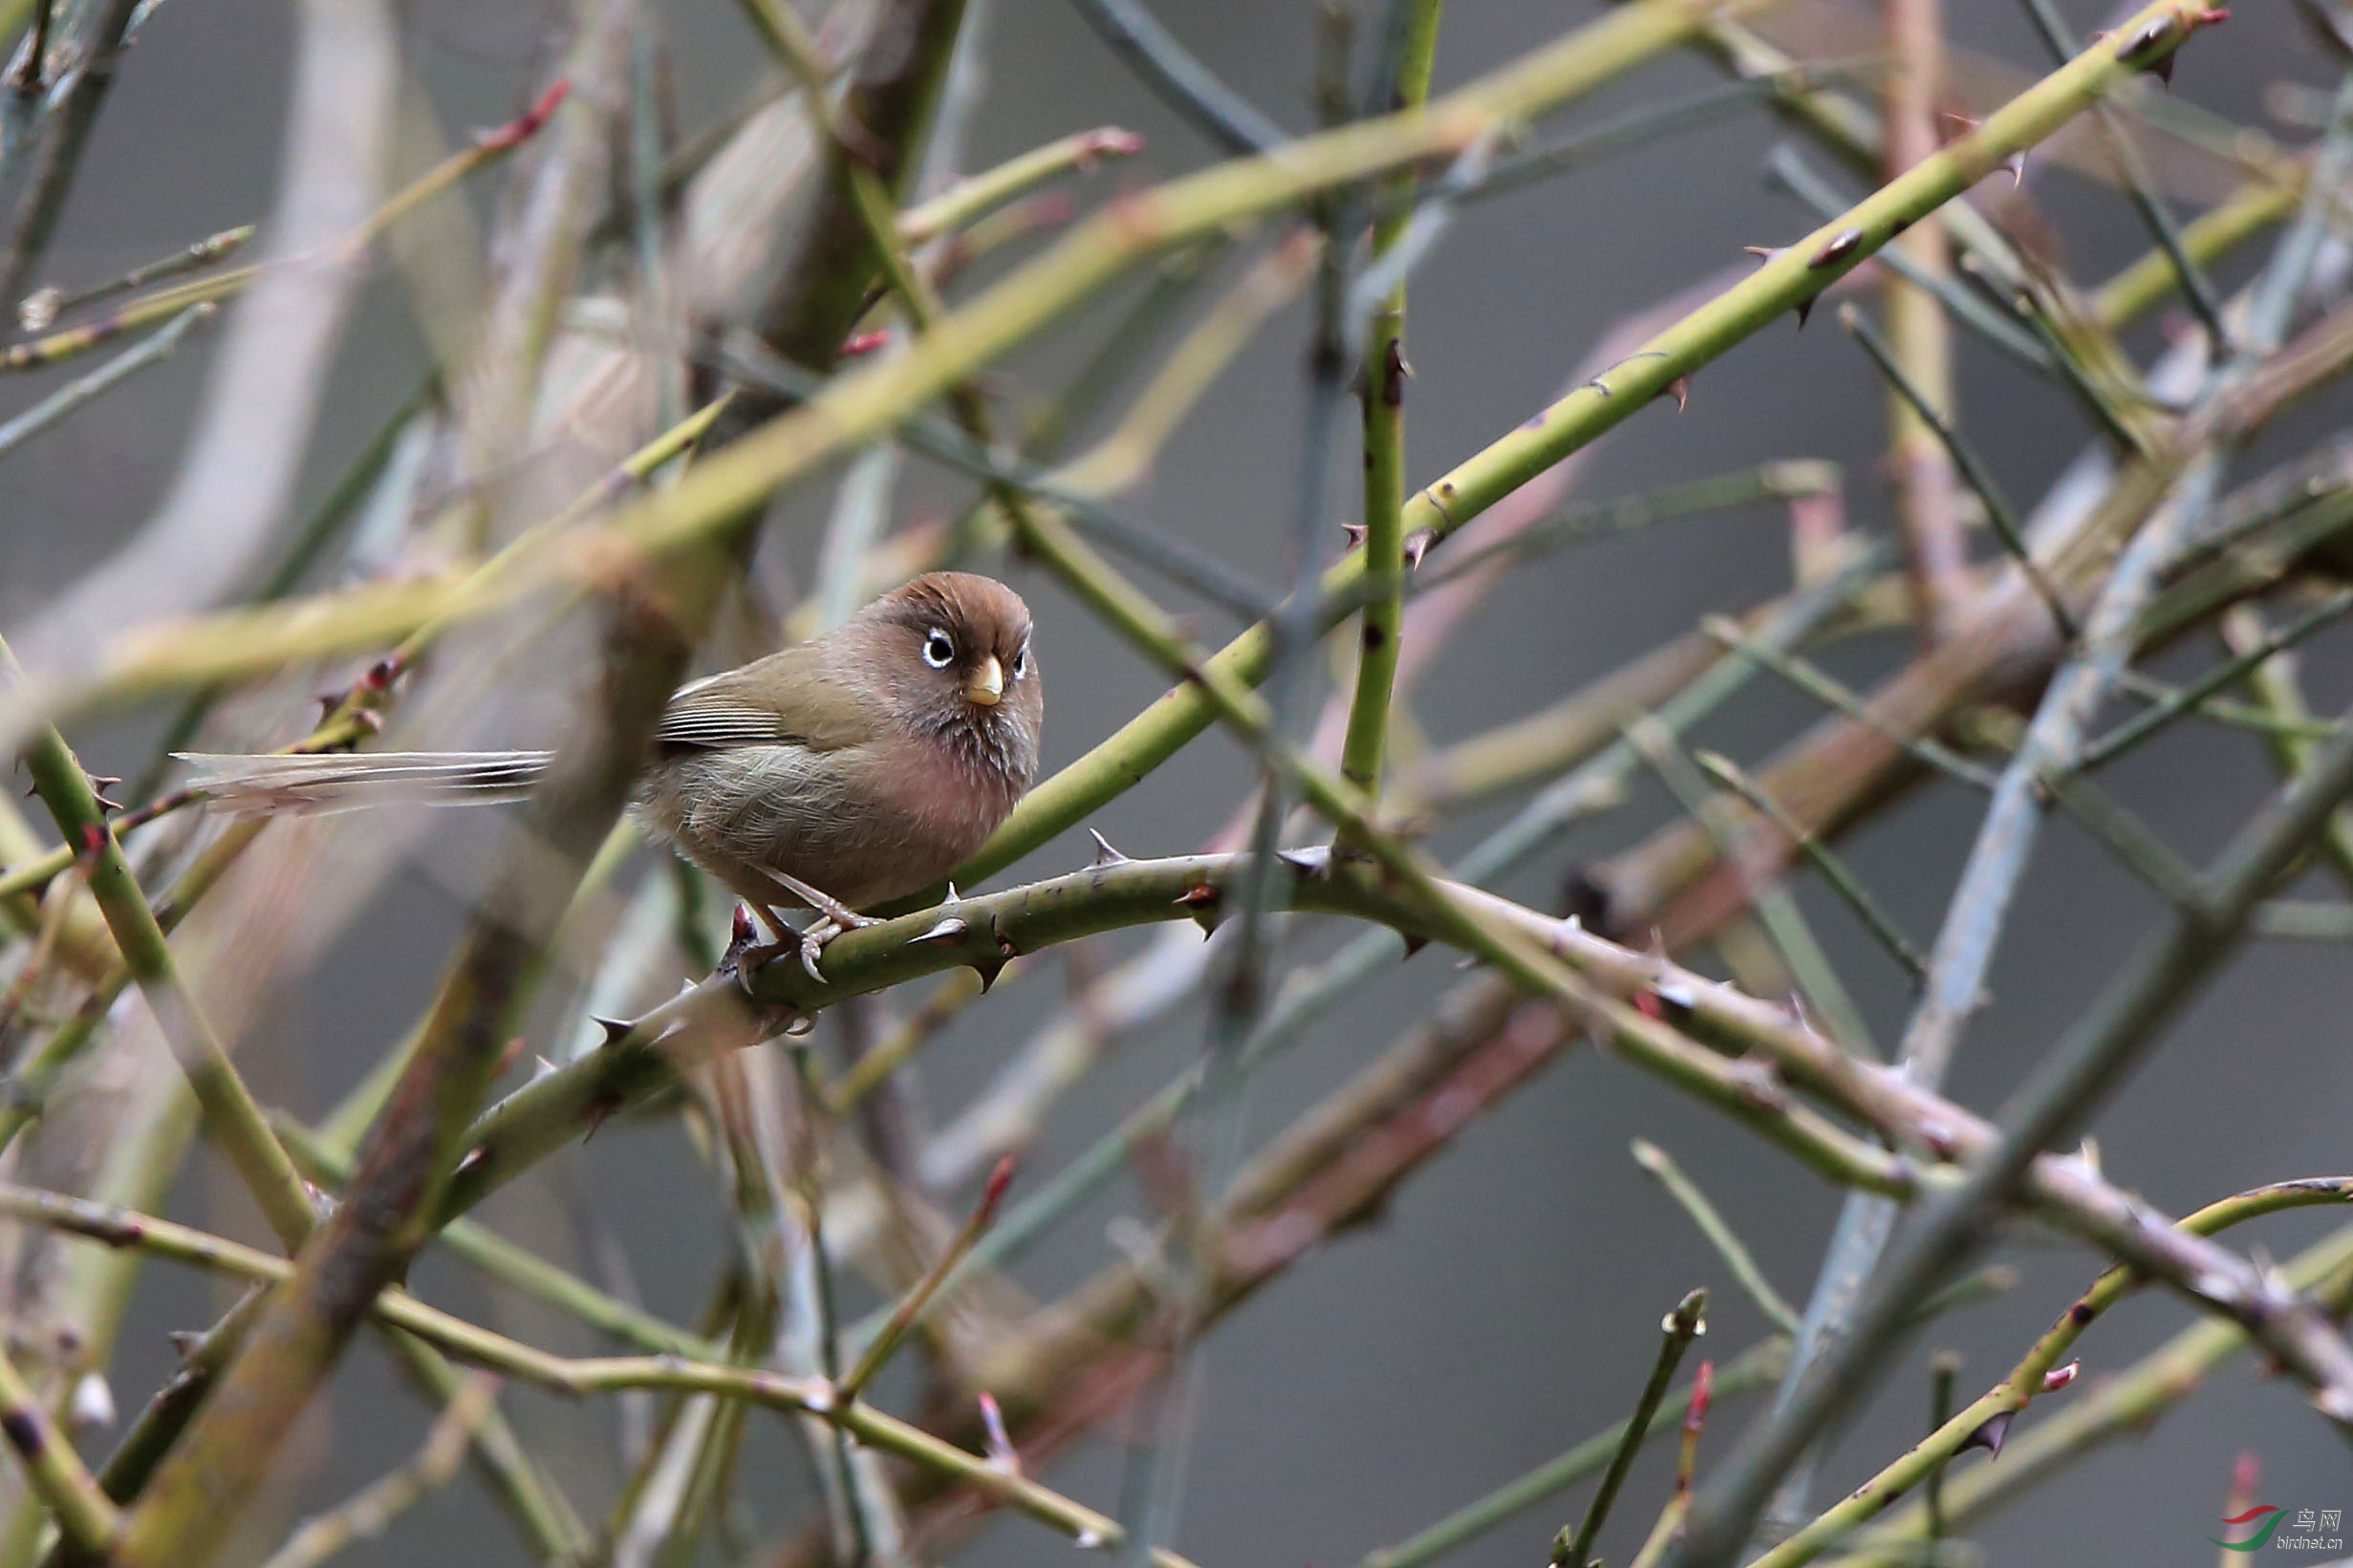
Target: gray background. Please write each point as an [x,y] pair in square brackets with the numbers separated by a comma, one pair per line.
[1506,1303]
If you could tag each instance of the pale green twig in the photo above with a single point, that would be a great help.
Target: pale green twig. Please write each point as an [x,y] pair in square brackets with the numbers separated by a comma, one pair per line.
[1684,1324]
[53,1469]
[1381,390]
[74,395]
[1720,1236]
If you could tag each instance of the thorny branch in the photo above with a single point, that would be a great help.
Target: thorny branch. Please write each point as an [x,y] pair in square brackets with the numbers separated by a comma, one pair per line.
[2136,550]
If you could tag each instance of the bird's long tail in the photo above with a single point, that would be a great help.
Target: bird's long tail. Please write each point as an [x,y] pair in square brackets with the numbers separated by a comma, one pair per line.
[350,781]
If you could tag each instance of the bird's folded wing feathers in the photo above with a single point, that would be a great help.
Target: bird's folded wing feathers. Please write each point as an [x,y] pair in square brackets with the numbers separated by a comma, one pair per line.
[786,699]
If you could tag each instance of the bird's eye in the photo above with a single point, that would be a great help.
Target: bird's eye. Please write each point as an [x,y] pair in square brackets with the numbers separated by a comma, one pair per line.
[938,648]
[1021,663]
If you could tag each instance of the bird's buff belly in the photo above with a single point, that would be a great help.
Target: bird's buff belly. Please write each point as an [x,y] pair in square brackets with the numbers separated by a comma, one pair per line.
[747,811]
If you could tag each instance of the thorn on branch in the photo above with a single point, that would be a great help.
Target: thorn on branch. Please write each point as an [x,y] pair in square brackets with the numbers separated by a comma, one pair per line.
[1200,901]
[1836,250]
[1105,854]
[599,1112]
[1000,1451]
[91,1407]
[1396,371]
[1673,1001]
[2151,46]
[989,965]
[1990,1435]
[948,930]
[1584,900]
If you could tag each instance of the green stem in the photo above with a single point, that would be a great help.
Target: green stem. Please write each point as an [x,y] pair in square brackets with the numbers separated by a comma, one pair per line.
[2123,1406]
[481,1348]
[1937,424]
[2279,695]
[1684,1324]
[232,1115]
[868,402]
[51,1467]
[1381,378]
[2027,1379]
[976,195]
[517,1267]
[1720,1236]
[1834,871]
[1758,1367]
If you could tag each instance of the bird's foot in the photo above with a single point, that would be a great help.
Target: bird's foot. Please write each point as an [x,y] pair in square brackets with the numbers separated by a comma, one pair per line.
[822,932]
[836,918]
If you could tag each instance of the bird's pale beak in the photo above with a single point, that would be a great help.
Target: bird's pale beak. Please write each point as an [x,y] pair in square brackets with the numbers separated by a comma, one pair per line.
[988,686]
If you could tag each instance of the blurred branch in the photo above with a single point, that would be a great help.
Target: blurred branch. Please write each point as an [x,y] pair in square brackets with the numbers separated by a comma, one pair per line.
[1728,1245]
[263,393]
[63,132]
[2070,1081]
[1919,348]
[1381,378]
[1985,1422]
[1752,1369]
[235,1121]
[366,1514]
[580,1377]
[865,403]
[87,389]
[2121,1406]
[977,195]
[1685,1323]
[1180,82]
[84,1513]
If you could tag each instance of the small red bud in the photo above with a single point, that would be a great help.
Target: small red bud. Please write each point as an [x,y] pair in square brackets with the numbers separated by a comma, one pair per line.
[1000,1177]
[1702,1383]
[1111,141]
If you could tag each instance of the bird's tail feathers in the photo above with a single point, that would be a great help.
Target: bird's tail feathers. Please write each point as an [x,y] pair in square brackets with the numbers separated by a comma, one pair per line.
[351,781]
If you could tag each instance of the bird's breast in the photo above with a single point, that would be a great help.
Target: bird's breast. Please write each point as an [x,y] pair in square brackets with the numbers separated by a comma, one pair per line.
[864,824]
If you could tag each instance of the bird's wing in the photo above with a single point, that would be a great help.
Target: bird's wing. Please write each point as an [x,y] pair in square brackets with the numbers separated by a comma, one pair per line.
[786,699]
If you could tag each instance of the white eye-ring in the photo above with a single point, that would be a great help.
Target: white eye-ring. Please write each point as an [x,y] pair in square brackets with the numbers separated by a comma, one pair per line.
[1021,663]
[938,648]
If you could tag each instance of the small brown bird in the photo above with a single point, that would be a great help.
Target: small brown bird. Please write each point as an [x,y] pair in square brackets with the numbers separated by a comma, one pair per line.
[831,775]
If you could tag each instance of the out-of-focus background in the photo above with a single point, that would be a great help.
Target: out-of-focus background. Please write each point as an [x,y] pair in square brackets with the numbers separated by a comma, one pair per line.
[1506,1302]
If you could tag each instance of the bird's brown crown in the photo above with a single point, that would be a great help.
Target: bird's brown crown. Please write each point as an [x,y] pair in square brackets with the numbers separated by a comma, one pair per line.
[980,614]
